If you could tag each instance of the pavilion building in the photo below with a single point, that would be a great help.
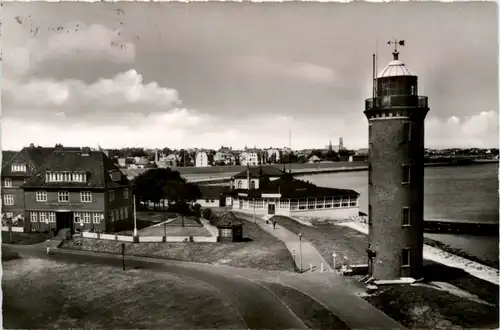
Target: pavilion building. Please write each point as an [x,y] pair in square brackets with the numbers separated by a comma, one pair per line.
[268,190]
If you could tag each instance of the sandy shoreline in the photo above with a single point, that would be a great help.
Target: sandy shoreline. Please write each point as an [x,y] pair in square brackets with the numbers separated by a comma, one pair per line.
[431,253]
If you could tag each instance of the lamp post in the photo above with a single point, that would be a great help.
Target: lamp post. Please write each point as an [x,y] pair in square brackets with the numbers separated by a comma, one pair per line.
[254,210]
[294,255]
[300,248]
[135,220]
[123,256]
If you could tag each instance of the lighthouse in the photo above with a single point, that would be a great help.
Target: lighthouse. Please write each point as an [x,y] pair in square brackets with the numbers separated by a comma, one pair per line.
[396,114]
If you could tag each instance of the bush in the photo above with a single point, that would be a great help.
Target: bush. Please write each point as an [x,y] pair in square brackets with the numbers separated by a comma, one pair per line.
[206,213]
[197,210]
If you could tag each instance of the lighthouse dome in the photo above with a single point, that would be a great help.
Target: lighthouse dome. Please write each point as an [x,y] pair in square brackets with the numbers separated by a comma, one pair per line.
[395,68]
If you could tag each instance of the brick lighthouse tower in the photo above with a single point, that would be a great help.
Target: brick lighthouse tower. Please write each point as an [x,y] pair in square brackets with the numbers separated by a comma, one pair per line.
[396,116]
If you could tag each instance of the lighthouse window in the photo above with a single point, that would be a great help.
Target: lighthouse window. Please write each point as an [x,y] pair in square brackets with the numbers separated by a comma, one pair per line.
[406,174]
[405,262]
[413,90]
[406,132]
[406,216]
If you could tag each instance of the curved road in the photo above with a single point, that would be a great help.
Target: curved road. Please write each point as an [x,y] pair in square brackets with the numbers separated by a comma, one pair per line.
[258,307]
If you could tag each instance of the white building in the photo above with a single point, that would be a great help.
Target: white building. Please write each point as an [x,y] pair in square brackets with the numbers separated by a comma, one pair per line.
[249,158]
[273,155]
[264,191]
[201,159]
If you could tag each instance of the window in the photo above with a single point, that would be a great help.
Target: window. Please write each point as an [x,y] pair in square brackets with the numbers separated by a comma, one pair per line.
[8,199]
[252,184]
[212,201]
[111,195]
[125,193]
[406,132]
[225,232]
[97,218]
[328,202]
[370,215]
[122,214]
[117,214]
[405,262]
[406,174]
[86,196]
[65,177]
[336,201]
[18,168]
[126,212]
[33,217]
[86,217]
[345,201]
[112,216]
[7,183]
[43,217]
[240,184]
[52,217]
[311,204]
[406,216]
[63,196]
[353,201]
[41,196]
[370,174]
[413,90]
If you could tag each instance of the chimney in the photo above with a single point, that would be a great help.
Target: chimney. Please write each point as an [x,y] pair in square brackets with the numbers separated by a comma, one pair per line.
[85,151]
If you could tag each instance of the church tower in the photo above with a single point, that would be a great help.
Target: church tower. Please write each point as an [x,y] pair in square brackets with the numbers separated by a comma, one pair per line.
[396,115]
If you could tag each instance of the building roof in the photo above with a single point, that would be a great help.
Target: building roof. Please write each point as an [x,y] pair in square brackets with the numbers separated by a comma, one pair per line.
[101,170]
[260,171]
[213,191]
[393,69]
[289,187]
[228,219]
[33,157]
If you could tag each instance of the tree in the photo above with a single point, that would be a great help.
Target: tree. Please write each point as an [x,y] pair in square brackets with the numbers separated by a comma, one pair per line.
[332,156]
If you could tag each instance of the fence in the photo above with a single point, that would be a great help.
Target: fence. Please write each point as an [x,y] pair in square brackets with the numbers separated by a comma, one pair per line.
[14,229]
[152,239]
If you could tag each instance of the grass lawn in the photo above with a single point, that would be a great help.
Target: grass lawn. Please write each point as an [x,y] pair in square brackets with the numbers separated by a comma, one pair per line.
[419,307]
[261,250]
[343,240]
[312,313]
[174,231]
[347,241]
[8,255]
[24,238]
[45,294]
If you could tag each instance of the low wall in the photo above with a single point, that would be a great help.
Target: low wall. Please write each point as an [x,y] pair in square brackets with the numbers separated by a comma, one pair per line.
[14,229]
[333,214]
[152,239]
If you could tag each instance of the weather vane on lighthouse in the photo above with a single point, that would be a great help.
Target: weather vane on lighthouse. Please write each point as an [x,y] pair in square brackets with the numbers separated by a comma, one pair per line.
[396,43]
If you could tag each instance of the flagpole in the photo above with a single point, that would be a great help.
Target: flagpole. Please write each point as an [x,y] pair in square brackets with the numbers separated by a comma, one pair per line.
[135,220]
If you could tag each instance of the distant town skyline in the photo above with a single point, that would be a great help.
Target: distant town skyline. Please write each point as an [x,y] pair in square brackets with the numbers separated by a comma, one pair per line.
[234,74]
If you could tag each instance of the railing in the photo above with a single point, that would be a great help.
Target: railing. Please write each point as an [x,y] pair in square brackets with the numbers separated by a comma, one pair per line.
[396,101]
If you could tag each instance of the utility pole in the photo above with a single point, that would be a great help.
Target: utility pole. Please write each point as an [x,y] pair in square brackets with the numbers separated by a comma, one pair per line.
[123,256]
[135,220]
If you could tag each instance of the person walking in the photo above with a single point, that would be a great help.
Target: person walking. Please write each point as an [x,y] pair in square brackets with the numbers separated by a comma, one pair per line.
[274,224]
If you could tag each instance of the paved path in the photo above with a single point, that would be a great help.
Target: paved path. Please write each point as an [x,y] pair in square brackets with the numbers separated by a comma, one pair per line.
[310,256]
[258,307]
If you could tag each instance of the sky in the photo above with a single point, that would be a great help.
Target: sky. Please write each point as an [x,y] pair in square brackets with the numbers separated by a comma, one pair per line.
[184,75]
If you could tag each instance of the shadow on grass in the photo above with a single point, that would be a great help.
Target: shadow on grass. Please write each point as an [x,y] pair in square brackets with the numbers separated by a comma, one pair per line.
[485,290]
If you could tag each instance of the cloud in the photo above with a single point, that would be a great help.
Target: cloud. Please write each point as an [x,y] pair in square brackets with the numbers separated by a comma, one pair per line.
[124,93]
[479,130]
[300,71]
[76,42]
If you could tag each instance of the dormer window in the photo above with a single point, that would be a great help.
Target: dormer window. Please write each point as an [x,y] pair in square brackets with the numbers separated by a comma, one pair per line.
[66,177]
[18,168]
